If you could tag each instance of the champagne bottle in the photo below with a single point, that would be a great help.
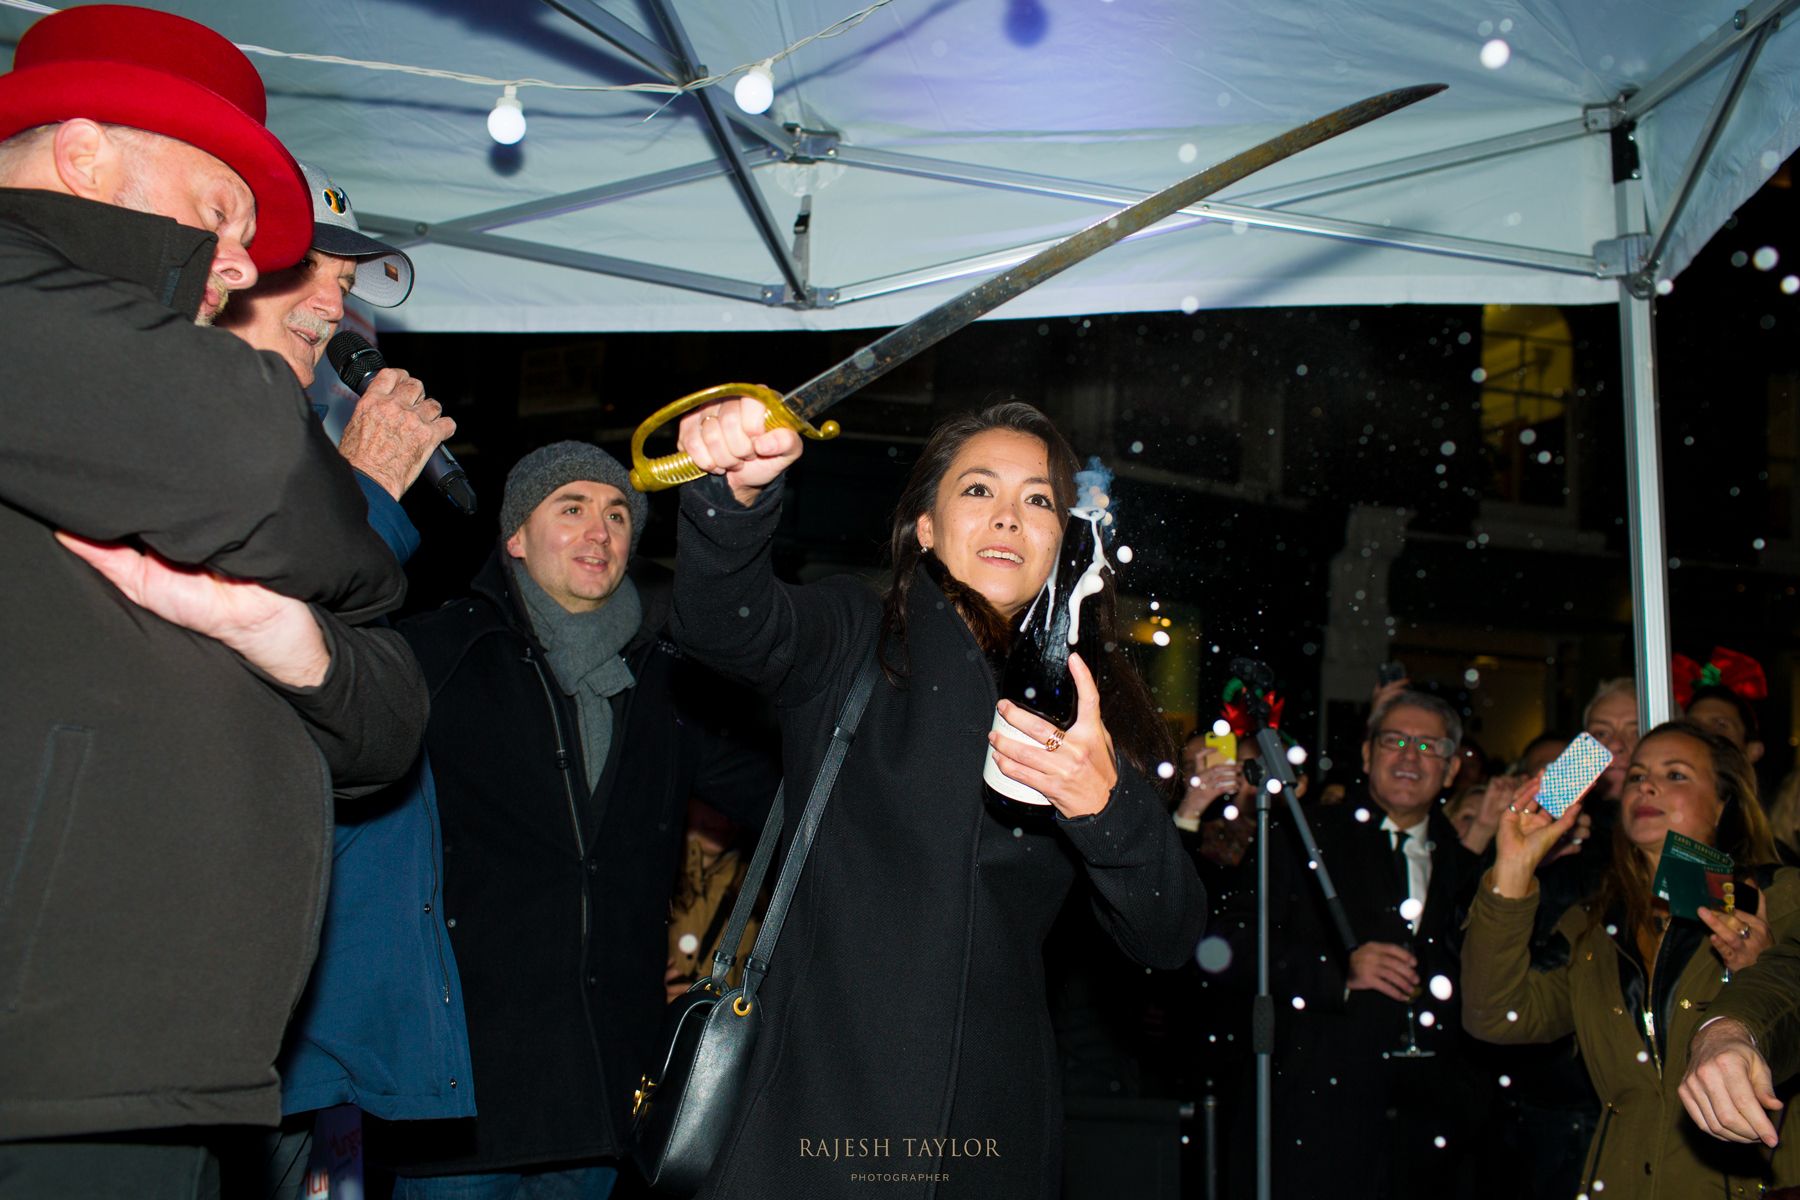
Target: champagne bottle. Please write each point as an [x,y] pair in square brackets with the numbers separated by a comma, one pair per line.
[1037,676]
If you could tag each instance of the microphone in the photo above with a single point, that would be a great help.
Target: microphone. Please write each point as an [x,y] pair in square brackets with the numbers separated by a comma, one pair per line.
[356,363]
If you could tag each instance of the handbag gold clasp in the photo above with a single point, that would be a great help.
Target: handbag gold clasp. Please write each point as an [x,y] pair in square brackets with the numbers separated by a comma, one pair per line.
[741,1006]
[640,1099]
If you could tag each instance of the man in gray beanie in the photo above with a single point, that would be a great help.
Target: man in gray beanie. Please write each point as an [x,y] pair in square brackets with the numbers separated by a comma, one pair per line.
[567,734]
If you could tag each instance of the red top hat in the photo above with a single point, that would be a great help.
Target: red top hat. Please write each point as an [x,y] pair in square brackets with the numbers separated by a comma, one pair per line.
[165,74]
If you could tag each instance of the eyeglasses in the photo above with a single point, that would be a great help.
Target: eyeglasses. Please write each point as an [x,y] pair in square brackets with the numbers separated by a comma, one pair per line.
[1439,747]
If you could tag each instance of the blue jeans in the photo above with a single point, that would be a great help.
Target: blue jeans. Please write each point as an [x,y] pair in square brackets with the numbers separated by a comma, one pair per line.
[580,1183]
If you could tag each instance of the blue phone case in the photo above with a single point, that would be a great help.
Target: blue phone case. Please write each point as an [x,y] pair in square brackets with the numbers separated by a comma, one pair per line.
[1573,773]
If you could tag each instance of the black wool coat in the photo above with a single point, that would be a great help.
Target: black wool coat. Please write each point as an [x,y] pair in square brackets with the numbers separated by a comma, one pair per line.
[557,896]
[165,812]
[1334,1084]
[906,1036]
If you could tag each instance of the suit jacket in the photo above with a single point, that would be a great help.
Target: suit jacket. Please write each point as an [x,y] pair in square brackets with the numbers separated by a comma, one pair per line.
[1334,1081]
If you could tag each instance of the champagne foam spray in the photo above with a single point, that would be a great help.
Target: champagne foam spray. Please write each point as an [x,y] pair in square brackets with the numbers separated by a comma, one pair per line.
[1036,676]
[1093,490]
[1093,503]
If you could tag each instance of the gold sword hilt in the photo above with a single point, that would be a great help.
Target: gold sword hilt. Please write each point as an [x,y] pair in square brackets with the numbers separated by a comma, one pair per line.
[655,474]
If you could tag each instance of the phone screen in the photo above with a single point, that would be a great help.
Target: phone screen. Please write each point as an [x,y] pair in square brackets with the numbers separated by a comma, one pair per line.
[1572,774]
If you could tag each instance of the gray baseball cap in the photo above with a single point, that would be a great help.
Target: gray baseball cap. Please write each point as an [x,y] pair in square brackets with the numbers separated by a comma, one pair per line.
[384,276]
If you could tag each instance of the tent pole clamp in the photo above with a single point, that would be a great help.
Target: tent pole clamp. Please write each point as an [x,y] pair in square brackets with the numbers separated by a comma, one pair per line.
[812,145]
[1623,258]
[776,296]
[1603,118]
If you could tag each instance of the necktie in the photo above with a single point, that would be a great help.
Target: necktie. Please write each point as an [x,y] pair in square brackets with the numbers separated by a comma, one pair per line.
[1400,864]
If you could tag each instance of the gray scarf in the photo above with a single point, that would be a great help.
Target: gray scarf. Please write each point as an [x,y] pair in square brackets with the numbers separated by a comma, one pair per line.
[583,649]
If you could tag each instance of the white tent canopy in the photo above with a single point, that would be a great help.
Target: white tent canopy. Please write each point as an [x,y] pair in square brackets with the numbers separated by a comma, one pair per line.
[946,138]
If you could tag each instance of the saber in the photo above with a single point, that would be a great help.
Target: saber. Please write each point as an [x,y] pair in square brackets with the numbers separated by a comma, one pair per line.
[797,409]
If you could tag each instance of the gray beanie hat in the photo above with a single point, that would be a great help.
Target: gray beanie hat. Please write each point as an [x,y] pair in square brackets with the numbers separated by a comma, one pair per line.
[547,468]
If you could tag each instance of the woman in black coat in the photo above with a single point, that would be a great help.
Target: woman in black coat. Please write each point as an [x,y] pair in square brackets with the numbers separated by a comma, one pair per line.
[906,1040]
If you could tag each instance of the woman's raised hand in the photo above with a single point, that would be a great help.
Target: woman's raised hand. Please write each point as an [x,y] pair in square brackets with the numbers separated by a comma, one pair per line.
[1523,839]
[1075,770]
[728,438]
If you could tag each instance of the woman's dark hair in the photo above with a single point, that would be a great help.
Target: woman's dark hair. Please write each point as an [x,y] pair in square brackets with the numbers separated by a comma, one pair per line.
[1131,715]
[920,494]
[1743,828]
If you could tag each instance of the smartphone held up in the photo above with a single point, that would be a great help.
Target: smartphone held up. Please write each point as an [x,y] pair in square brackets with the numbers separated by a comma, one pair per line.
[1571,774]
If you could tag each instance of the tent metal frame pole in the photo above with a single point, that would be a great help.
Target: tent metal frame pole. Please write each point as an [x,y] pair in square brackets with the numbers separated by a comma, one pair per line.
[755,206]
[1558,261]
[1749,21]
[1643,476]
[406,231]
[599,264]
[1394,170]
[629,42]
[1412,165]
[678,66]
[621,37]
[1709,138]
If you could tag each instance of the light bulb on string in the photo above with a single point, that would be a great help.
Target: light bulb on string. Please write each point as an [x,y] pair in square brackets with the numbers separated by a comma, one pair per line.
[506,123]
[755,88]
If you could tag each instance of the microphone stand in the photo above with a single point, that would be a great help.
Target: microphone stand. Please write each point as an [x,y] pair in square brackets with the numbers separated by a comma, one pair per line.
[1280,773]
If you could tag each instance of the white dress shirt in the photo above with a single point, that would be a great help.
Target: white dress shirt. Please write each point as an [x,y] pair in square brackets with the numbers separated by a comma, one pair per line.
[1418,862]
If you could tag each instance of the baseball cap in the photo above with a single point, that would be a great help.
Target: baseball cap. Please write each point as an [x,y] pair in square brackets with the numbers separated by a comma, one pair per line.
[384,276]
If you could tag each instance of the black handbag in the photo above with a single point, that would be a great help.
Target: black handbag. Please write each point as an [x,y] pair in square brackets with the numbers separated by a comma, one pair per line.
[681,1114]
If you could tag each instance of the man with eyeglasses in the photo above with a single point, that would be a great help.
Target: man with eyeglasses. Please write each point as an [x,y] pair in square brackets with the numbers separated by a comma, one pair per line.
[1346,1088]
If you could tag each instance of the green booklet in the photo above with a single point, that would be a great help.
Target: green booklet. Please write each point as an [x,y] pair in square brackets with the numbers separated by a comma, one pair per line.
[1692,876]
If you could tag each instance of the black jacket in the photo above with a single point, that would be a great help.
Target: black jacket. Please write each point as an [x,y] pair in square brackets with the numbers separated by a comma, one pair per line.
[557,897]
[1338,1096]
[165,812]
[906,997]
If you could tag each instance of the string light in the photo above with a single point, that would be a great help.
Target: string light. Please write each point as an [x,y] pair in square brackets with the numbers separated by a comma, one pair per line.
[755,89]
[837,27]
[506,124]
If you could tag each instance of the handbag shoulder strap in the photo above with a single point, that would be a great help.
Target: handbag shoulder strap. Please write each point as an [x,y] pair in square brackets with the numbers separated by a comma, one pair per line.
[757,965]
[741,908]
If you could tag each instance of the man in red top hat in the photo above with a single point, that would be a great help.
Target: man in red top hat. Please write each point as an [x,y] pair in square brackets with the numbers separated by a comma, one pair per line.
[165,785]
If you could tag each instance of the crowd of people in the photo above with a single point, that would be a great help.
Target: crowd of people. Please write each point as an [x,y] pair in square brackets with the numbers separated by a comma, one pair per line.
[1515,1010]
[269,852]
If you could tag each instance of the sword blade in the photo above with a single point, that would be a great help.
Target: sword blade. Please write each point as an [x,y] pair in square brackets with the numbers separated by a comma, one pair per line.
[895,347]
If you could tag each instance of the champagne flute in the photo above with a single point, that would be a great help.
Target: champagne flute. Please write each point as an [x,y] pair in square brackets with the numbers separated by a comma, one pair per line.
[1411,911]
[1411,1048]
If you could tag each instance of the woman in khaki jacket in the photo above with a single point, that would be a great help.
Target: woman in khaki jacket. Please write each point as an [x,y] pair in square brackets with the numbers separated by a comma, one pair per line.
[1635,984]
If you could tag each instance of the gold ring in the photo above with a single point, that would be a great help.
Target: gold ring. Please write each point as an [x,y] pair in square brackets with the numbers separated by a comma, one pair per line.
[1053,741]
